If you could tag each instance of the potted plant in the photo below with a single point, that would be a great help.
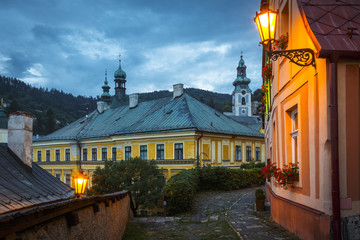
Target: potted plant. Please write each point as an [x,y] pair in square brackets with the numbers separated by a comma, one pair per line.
[260,200]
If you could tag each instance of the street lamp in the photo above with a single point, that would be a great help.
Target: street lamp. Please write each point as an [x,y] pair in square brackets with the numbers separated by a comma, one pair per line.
[266,24]
[80,182]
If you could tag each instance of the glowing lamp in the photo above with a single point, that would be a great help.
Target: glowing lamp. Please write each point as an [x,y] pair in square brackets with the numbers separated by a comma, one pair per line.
[80,183]
[266,24]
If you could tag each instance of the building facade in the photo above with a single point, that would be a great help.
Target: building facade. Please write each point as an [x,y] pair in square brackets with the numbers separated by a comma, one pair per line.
[174,131]
[313,119]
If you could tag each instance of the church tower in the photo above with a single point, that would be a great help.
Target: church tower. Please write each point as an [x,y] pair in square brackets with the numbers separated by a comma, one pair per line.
[241,96]
[120,80]
[105,96]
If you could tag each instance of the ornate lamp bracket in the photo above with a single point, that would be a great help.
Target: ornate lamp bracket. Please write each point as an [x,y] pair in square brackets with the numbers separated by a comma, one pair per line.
[301,57]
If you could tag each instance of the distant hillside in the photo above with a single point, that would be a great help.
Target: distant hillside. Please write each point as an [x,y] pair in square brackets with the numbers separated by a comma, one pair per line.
[54,109]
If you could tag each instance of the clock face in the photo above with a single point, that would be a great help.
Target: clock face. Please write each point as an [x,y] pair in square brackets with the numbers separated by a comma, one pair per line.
[243,92]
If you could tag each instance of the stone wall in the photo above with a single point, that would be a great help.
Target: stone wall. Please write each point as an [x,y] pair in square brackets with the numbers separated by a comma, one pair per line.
[104,220]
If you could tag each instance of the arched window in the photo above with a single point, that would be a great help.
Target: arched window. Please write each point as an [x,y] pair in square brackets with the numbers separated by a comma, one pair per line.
[243,101]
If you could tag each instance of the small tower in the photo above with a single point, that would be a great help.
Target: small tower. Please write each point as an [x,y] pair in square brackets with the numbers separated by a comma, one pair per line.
[241,96]
[105,96]
[120,80]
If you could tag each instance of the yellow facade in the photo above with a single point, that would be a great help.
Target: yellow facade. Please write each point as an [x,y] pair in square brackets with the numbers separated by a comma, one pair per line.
[215,149]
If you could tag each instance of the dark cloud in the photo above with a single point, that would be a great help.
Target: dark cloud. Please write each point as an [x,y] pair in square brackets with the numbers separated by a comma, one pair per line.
[68,44]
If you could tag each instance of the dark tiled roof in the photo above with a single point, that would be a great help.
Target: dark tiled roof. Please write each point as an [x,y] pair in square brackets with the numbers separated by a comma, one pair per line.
[21,186]
[165,114]
[250,121]
[331,22]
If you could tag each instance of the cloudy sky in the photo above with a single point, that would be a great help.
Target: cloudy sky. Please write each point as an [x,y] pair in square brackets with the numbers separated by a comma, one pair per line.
[68,44]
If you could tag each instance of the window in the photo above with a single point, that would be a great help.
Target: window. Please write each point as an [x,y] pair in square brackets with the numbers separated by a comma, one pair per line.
[114,154]
[294,135]
[248,153]
[179,151]
[284,19]
[48,155]
[57,155]
[68,179]
[257,150]
[39,156]
[127,153]
[238,153]
[103,154]
[160,152]
[85,154]
[67,154]
[143,152]
[93,154]
[58,176]
[243,101]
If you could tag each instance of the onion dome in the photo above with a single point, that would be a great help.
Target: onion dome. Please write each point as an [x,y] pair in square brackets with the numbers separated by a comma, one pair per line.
[119,73]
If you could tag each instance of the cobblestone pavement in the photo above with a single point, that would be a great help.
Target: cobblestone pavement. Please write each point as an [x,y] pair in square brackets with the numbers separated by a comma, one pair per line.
[250,224]
[216,215]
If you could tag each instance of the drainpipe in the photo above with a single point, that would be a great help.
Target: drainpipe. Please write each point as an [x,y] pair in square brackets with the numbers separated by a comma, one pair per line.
[78,143]
[335,187]
[198,149]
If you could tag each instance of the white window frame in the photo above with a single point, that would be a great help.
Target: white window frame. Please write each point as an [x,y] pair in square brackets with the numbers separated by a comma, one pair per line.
[294,136]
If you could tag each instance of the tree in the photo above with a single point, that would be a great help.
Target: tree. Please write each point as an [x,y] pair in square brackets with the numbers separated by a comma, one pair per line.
[50,121]
[227,107]
[14,107]
[142,178]
[257,96]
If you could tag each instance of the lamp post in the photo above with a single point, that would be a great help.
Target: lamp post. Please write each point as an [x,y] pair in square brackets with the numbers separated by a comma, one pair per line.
[266,24]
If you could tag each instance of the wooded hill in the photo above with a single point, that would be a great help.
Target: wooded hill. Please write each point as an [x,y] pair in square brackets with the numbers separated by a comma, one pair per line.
[54,109]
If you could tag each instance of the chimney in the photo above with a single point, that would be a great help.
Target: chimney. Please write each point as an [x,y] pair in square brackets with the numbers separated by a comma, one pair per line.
[178,90]
[100,106]
[133,100]
[20,135]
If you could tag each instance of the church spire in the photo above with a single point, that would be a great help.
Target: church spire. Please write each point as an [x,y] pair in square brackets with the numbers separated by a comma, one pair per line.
[120,80]
[106,95]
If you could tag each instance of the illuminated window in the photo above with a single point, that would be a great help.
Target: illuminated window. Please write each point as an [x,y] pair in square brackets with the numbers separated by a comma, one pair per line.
[294,136]
[160,152]
[238,153]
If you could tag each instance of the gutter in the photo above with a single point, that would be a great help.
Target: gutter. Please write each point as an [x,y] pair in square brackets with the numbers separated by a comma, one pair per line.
[335,183]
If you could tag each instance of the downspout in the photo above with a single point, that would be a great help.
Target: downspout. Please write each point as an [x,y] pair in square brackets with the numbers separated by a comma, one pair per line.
[198,150]
[78,143]
[335,186]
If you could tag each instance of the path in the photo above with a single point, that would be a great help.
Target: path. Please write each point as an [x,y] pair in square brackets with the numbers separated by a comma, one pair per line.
[216,215]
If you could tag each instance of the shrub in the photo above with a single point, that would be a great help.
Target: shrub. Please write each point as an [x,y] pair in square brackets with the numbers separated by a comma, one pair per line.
[181,188]
[259,194]
[180,191]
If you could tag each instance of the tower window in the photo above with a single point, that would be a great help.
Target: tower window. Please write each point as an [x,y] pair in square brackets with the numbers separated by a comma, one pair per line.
[243,101]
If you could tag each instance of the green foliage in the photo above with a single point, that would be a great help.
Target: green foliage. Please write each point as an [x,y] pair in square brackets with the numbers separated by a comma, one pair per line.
[142,178]
[253,165]
[181,188]
[259,194]
[50,121]
[227,106]
[180,191]
[257,96]
[66,108]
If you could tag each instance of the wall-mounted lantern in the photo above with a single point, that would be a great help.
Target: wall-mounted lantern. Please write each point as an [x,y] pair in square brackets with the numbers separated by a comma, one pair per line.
[266,24]
[80,183]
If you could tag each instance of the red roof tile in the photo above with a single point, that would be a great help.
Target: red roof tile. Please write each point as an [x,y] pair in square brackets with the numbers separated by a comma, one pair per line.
[335,25]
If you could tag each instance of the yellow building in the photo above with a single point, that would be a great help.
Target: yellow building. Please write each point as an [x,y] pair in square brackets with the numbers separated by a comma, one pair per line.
[173,131]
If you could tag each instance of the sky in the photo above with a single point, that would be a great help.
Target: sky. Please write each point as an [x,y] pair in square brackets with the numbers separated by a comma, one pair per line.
[69,44]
